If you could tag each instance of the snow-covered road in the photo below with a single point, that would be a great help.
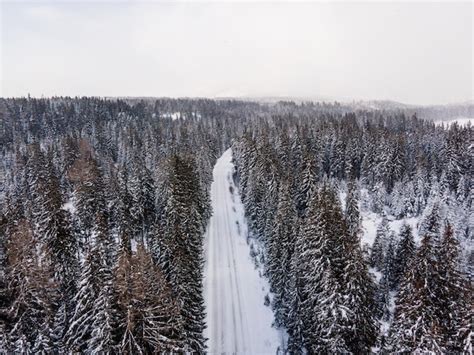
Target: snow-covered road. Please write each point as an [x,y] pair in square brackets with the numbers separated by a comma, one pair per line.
[237,320]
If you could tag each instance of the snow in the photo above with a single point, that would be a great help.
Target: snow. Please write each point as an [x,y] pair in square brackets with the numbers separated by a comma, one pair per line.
[178,115]
[237,320]
[462,121]
[173,115]
[376,274]
[371,220]
[69,206]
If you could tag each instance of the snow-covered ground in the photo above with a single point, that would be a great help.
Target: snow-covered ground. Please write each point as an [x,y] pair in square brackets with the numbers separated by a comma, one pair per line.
[237,320]
[370,222]
[462,121]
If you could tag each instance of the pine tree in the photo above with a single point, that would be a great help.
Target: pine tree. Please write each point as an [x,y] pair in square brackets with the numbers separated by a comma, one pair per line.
[383,292]
[181,249]
[142,189]
[431,221]
[452,290]
[43,343]
[324,312]
[31,289]
[377,255]
[379,196]
[123,217]
[150,319]
[357,284]
[404,255]
[464,337]
[280,252]
[54,232]
[331,317]
[294,323]
[89,193]
[416,326]
[81,324]
[308,185]
[103,324]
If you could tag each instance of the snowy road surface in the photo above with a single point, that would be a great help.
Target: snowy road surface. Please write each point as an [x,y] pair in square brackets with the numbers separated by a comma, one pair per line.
[237,320]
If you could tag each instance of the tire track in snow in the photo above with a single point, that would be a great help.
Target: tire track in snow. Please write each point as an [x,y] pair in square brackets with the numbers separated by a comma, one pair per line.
[230,279]
[237,320]
[233,277]
[231,225]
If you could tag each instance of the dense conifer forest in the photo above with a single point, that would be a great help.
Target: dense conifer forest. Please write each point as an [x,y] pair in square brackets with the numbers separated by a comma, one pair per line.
[104,204]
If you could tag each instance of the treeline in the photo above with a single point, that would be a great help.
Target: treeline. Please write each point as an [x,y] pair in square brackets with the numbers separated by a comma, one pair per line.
[302,182]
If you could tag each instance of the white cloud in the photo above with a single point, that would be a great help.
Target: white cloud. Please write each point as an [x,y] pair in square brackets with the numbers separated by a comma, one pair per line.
[411,52]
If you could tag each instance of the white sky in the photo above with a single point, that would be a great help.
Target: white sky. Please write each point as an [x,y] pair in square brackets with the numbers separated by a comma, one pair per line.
[410,52]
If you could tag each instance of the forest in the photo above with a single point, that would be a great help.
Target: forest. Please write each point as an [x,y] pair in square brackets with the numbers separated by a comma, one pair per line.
[104,204]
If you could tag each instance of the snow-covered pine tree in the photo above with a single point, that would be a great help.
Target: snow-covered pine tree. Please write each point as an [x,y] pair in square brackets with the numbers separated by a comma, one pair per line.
[60,243]
[384,288]
[358,287]
[377,255]
[379,197]
[416,325]
[453,290]
[352,213]
[296,298]
[84,317]
[465,335]
[31,289]
[280,252]
[404,254]
[324,311]
[142,190]
[123,208]
[104,320]
[308,185]
[149,315]
[181,249]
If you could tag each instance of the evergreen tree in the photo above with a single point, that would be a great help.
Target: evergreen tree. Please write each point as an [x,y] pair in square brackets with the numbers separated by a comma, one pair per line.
[404,255]
[294,323]
[280,253]
[453,292]
[308,185]
[181,249]
[31,289]
[352,212]
[142,190]
[383,292]
[416,326]
[94,278]
[358,291]
[324,312]
[150,320]
[377,255]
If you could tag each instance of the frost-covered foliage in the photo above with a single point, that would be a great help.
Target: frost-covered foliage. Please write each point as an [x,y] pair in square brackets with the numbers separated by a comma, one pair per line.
[103,205]
[102,217]
[331,303]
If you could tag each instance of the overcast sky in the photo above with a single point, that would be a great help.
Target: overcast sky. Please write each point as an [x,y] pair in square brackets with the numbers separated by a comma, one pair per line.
[410,52]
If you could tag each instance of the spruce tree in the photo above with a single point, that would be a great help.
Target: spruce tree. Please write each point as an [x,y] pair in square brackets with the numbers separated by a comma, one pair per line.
[149,316]
[404,255]
[324,312]
[358,287]
[281,252]
[453,292]
[377,255]
[352,213]
[383,292]
[84,316]
[416,326]
[294,323]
